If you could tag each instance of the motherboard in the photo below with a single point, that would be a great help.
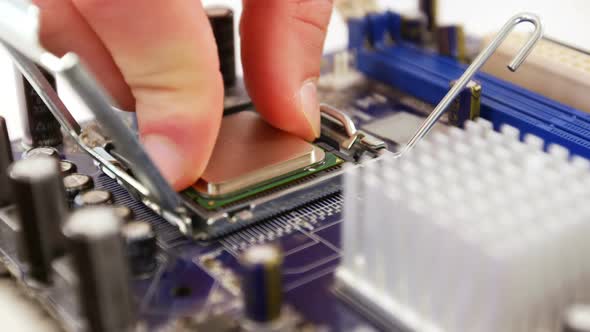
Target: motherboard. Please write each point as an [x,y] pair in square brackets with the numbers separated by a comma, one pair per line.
[408,213]
[194,281]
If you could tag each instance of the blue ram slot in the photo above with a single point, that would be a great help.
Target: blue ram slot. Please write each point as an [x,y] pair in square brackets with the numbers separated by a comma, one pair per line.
[426,75]
[572,112]
[431,88]
[454,69]
[562,118]
[391,21]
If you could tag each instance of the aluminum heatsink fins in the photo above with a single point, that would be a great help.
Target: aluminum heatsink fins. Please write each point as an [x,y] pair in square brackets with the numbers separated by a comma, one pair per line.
[473,230]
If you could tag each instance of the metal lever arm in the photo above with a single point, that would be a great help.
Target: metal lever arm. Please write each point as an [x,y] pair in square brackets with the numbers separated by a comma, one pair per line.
[475,66]
[19,31]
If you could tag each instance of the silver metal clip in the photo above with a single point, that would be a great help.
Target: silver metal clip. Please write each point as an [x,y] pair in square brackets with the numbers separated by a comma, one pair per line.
[347,135]
[338,118]
[474,67]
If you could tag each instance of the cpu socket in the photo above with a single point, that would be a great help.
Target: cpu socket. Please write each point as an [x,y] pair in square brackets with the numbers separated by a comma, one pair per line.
[250,157]
[257,172]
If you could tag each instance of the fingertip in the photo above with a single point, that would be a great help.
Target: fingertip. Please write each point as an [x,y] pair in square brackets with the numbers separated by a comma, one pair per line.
[180,143]
[310,108]
[168,157]
[299,115]
[282,45]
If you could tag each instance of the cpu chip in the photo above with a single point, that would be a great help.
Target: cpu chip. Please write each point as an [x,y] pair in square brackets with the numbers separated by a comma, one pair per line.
[250,152]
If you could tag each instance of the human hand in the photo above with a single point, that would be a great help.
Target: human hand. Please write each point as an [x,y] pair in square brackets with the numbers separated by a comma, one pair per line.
[159,58]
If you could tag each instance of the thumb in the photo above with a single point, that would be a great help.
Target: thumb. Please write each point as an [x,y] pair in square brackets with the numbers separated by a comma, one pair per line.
[282,43]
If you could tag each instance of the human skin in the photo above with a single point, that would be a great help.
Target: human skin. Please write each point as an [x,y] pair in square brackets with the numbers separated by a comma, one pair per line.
[159,58]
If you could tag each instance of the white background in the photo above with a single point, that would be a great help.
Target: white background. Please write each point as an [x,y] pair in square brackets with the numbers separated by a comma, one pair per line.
[565,20]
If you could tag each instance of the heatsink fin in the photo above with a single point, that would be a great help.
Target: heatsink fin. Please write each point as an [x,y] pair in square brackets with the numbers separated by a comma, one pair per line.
[473,230]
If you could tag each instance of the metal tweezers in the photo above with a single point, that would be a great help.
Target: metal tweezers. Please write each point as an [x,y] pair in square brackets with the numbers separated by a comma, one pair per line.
[19,33]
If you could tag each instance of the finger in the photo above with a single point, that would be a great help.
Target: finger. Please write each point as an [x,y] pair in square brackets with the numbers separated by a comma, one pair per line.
[64,30]
[282,42]
[167,54]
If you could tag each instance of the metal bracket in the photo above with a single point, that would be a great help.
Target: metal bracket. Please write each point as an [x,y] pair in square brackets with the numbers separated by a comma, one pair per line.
[19,33]
[347,135]
[340,119]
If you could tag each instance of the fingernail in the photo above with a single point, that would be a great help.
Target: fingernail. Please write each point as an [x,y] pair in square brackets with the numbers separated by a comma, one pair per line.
[166,155]
[310,106]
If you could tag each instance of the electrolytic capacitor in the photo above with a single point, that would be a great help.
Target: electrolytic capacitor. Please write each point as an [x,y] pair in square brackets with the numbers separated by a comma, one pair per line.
[98,250]
[93,197]
[40,128]
[141,247]
[123,212]
[41,203]
[67,167]
[45,151]
[76,183]
[222,23]
[5,161]
[262,283]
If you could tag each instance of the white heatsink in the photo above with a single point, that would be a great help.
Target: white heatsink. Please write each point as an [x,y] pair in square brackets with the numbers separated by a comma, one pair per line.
[472,230]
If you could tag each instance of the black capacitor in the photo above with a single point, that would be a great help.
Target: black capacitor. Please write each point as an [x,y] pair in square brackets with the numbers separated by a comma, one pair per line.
[98,251]
[577,319]
[93,197]
[222,23]
[123,212]
[40,128]
[76,183]
[41,205]
[262,283]
[45,151]
[141,247]
[67,167]
[5,161]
